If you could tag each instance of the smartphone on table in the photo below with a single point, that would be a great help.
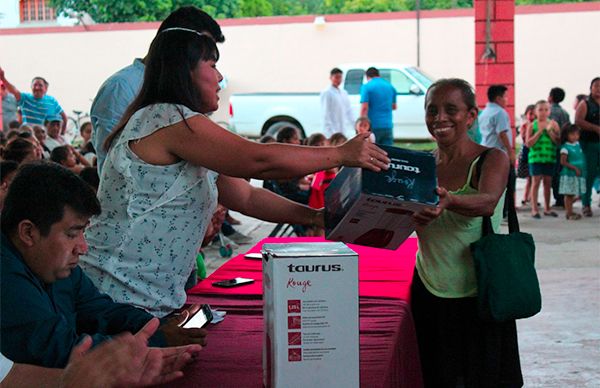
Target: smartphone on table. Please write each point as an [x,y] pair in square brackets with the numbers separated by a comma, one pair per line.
[233,282]
[202,318]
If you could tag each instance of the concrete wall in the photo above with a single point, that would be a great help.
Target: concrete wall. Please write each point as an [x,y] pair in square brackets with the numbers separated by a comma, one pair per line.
[294,54]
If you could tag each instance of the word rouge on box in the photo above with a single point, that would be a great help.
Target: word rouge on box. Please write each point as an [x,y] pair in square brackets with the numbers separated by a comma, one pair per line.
[310,315]
[375,209]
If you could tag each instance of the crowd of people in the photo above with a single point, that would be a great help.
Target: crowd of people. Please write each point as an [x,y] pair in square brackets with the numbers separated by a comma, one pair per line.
[101,238]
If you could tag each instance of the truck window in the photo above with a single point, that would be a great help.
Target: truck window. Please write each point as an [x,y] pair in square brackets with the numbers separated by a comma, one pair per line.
[354,80]
[398,79]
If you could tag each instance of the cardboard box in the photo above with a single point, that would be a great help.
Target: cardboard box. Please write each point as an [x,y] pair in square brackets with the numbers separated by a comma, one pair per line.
[310,315]
[375,209]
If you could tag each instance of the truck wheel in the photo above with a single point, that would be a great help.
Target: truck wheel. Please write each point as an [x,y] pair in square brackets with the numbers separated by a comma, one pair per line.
[275,127]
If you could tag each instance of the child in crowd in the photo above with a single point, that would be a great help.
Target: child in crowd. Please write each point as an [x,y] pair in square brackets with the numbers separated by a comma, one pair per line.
[320,181]
[542,137]
[296,189]
[20,150]
[90,176]
[267,139]
[572,175]
[68,157]
[337,139]
[363,125]
[8,170]
[523,163]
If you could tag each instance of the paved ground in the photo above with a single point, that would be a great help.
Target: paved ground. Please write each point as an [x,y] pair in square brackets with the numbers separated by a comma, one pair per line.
[560,347]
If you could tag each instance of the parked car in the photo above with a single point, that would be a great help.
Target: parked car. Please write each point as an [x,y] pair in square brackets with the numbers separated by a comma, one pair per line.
[256,114]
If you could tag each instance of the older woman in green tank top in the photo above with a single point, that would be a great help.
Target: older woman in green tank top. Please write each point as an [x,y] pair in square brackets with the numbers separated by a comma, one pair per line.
[454,344]
[542,136]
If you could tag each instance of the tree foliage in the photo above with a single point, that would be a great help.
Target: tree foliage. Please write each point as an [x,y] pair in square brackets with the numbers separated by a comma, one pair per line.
[107,11]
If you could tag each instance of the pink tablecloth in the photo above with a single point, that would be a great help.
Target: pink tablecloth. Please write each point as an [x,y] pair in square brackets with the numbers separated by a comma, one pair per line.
[388,348]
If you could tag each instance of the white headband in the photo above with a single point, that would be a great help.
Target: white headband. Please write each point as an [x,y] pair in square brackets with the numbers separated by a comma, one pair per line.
[188,30]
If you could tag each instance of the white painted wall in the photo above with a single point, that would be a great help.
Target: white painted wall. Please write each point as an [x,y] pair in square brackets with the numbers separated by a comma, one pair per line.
[298,57]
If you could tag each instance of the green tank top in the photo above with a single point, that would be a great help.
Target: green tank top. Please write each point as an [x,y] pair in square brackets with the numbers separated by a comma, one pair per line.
[444,260]
[544,150]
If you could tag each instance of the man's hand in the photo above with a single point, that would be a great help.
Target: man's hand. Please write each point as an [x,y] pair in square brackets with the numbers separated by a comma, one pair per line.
[175,335]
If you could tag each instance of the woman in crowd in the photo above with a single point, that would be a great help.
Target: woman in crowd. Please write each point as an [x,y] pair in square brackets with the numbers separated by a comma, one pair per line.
[70,158]
[168,164]
[587,118]
[455,346]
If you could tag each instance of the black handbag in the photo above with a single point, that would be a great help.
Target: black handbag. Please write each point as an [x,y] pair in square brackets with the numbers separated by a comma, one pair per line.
[507,282]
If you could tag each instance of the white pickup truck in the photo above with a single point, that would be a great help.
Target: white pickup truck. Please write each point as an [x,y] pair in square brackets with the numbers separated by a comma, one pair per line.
[256,114]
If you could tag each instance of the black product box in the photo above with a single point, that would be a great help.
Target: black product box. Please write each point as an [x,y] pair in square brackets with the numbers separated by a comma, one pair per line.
[375,209]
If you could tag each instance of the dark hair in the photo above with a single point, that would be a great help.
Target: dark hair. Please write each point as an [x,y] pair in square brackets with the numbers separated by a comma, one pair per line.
[17,150]
[581,97]
[195,19]
[6,168]
[26,135]
[315,139]
[267,139]
[566,130]
[557,94]
[84,125]
[59,154]
[336,70]
[172,56]
[41,79]
[495,91]
[465,88]
[337,139]
[529,108]
[12,133]
[14,124]
[361,119]
[540,102]
[372,72]
[90,176]
[594,80]
[285,134]
[40,192]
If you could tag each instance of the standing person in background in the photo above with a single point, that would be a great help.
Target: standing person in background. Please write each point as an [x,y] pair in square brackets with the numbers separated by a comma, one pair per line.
[558,114]
[494,125]
[377,101]
[572,176]
[335,106]
[9,107]
[523,162]
[542,137]
[587,118]
[118,91]
[37,105]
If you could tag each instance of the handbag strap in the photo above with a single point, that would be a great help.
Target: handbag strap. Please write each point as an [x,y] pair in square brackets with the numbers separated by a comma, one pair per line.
[513,221]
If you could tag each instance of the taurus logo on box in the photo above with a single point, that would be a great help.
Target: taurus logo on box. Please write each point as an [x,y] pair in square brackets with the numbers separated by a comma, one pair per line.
[404,167]
[315,268]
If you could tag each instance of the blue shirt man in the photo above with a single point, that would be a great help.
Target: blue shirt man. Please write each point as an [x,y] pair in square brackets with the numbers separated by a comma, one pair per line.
[378,100]
[110,103]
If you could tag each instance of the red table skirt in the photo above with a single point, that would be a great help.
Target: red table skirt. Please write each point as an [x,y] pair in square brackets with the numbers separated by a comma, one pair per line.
[388,347]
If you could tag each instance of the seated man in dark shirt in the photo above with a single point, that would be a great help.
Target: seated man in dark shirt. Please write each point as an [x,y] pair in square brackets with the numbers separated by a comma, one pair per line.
[48,304]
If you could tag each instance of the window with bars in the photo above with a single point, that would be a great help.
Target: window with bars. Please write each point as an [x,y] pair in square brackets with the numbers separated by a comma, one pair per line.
[36,10]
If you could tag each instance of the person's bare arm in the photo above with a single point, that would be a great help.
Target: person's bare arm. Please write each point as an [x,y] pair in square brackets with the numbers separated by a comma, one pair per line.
[491,186]
[503,136]
[237,194]
[10,87]
[580,120]
[24,375]
[364,109]
[63,126]
[532,138]
[554,132]
[206,144]
[564,161]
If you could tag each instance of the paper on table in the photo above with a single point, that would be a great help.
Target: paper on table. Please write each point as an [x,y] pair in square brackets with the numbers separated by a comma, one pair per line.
[218,316]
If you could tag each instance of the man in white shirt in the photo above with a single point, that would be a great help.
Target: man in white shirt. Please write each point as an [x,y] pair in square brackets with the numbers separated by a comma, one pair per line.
[53,127]
[335,106]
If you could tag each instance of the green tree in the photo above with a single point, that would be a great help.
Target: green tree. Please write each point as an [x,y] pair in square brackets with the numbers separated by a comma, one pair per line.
[355,6]
[250,8]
